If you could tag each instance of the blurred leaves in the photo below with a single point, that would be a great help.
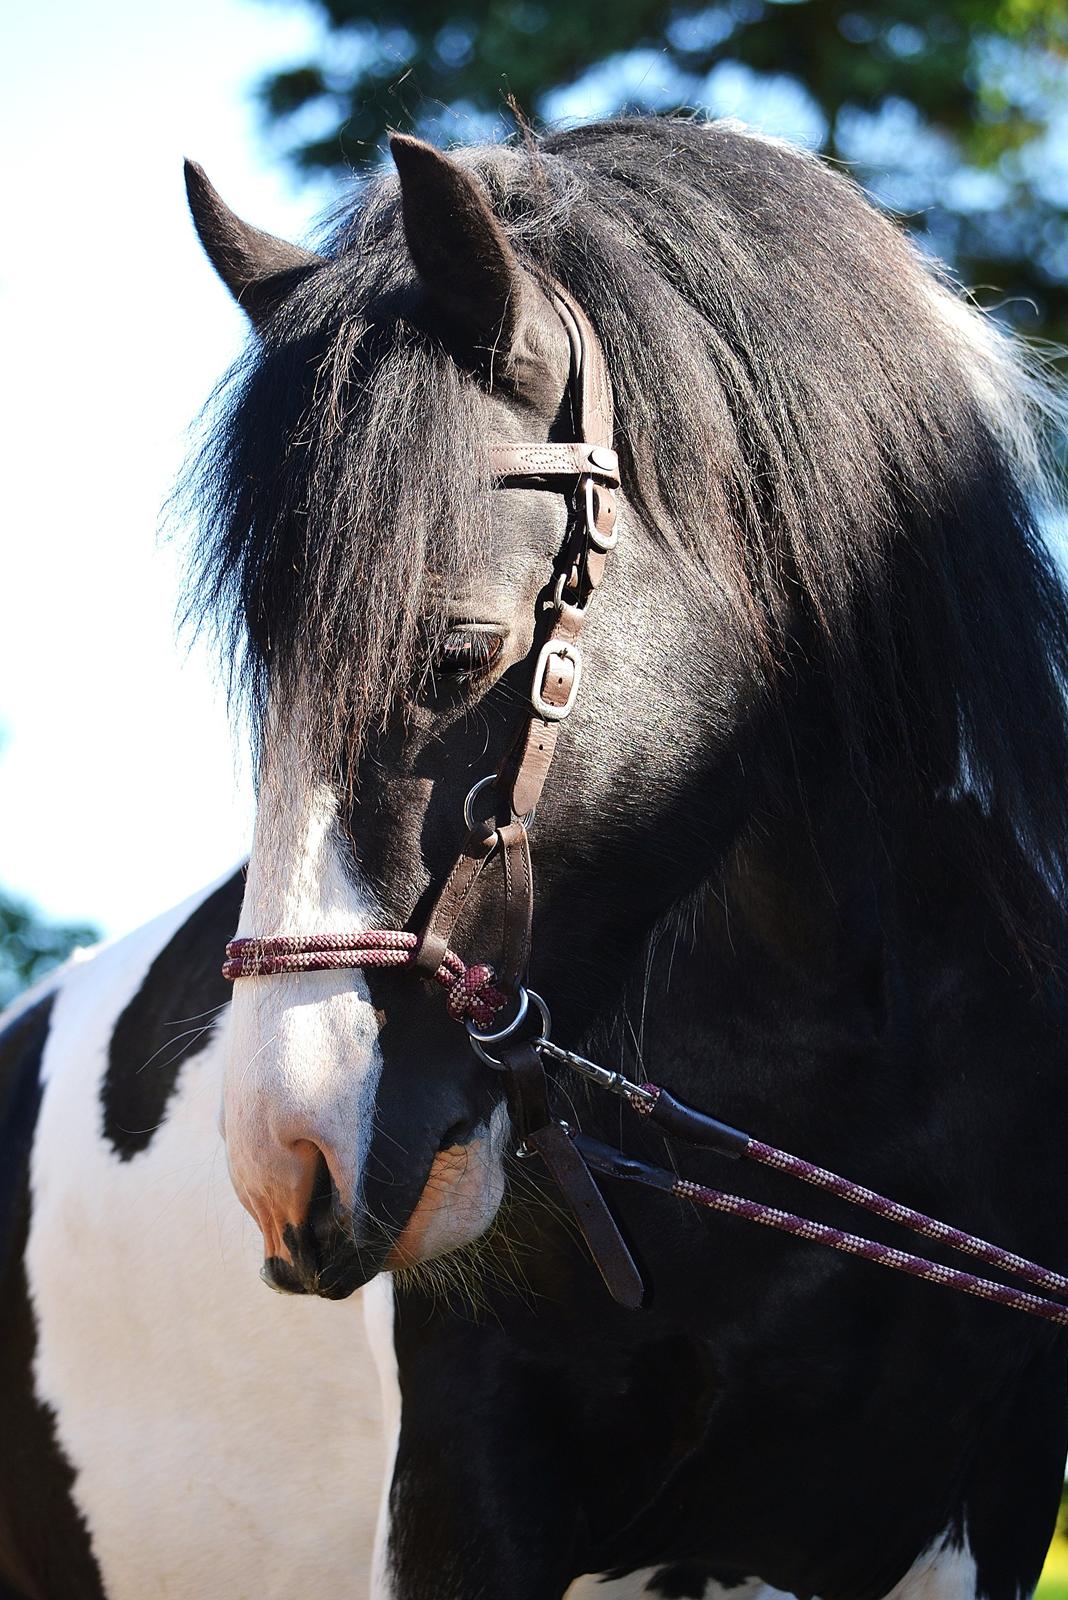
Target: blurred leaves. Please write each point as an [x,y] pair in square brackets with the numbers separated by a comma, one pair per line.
[954,111]
[30,945]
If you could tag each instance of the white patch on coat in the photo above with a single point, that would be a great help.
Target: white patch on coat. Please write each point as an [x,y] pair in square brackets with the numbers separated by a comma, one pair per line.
[945,1571]
[378,1320]
[304,1063]
[226,1442]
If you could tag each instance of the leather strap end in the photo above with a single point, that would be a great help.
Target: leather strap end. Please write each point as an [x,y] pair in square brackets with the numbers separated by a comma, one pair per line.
[590,1210]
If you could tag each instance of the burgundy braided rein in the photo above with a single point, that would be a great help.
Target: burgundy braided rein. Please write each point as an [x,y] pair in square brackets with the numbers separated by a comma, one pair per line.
[883,1255]
[473,995]
[854,1194]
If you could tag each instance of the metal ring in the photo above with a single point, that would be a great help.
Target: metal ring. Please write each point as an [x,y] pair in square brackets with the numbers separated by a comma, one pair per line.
[546,1017]
[558,603]
[469,805]
[480,1040]
[472,795]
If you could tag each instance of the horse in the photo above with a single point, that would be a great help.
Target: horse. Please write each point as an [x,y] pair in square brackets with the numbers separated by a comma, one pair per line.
[801,859]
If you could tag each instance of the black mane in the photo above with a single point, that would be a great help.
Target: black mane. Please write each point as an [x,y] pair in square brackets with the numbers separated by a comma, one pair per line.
[809,417]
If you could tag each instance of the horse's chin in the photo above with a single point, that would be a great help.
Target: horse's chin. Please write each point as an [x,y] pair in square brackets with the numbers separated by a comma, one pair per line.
[458,1203]
[332,1254]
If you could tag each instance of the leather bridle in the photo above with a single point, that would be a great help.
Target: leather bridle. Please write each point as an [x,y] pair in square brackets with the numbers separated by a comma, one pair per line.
[587,470]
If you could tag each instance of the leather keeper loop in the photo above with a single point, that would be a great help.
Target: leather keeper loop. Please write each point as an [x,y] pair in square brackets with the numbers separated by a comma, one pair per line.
[552,460]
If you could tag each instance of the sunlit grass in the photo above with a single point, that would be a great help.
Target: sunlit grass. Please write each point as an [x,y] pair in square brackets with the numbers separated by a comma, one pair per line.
[1054,1581]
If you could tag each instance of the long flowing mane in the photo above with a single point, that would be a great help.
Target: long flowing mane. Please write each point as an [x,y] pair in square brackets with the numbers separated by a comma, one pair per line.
[808,415]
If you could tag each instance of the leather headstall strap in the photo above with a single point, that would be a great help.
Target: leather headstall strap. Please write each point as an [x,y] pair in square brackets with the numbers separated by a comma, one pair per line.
[591,463]
[591,537]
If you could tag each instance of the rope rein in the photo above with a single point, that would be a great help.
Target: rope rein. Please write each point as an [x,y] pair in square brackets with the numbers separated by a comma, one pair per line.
[853,1244]
[473,995]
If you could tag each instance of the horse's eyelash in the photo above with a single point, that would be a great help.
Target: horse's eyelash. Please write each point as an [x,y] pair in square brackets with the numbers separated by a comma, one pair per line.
[467,650]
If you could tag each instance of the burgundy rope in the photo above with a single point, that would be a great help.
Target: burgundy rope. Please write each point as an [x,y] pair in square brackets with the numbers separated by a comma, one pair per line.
[857,1194]
[473,993]
[885,1255]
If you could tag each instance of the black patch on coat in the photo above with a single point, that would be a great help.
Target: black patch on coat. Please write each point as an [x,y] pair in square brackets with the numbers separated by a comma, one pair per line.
[683,1581]
[168,1020]
[45,1551]
[687,1580]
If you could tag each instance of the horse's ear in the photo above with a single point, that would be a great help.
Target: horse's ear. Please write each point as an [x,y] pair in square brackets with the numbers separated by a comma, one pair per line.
[258,269]
[466,263]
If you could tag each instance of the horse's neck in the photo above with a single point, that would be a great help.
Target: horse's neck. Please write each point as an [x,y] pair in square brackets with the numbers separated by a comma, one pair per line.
[831,950]
[804,896]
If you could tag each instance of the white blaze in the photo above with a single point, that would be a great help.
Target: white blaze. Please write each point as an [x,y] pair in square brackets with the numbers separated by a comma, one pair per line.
[304,1059]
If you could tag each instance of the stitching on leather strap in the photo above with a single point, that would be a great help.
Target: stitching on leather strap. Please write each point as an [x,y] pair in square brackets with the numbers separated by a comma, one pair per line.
[555,461]
[448,907]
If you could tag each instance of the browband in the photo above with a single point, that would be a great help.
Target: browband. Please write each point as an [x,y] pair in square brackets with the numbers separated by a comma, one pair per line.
[554,461]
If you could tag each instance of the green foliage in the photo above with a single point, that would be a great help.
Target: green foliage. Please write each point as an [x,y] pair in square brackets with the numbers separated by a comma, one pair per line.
[949,107]
[29,945]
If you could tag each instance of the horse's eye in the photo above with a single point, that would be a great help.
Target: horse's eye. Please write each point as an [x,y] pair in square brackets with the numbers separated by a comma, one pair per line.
[465,651]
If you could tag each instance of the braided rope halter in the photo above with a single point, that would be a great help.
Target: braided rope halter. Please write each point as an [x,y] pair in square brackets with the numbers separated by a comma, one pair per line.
[476,994]
[472,993]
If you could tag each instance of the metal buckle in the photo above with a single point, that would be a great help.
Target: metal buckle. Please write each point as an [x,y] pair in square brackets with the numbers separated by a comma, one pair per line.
[480,1040]
[598,540]
[568,652]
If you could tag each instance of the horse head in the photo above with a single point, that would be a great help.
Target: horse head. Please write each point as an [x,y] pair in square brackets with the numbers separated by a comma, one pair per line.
[783,369]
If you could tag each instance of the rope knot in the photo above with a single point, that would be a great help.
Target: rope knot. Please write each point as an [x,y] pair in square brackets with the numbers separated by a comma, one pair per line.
[474,995]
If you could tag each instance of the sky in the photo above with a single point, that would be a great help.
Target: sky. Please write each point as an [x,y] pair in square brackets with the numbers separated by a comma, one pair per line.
[122,786]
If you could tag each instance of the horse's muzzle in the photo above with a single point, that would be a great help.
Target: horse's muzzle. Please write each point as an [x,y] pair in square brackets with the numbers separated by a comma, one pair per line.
[335,1251]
